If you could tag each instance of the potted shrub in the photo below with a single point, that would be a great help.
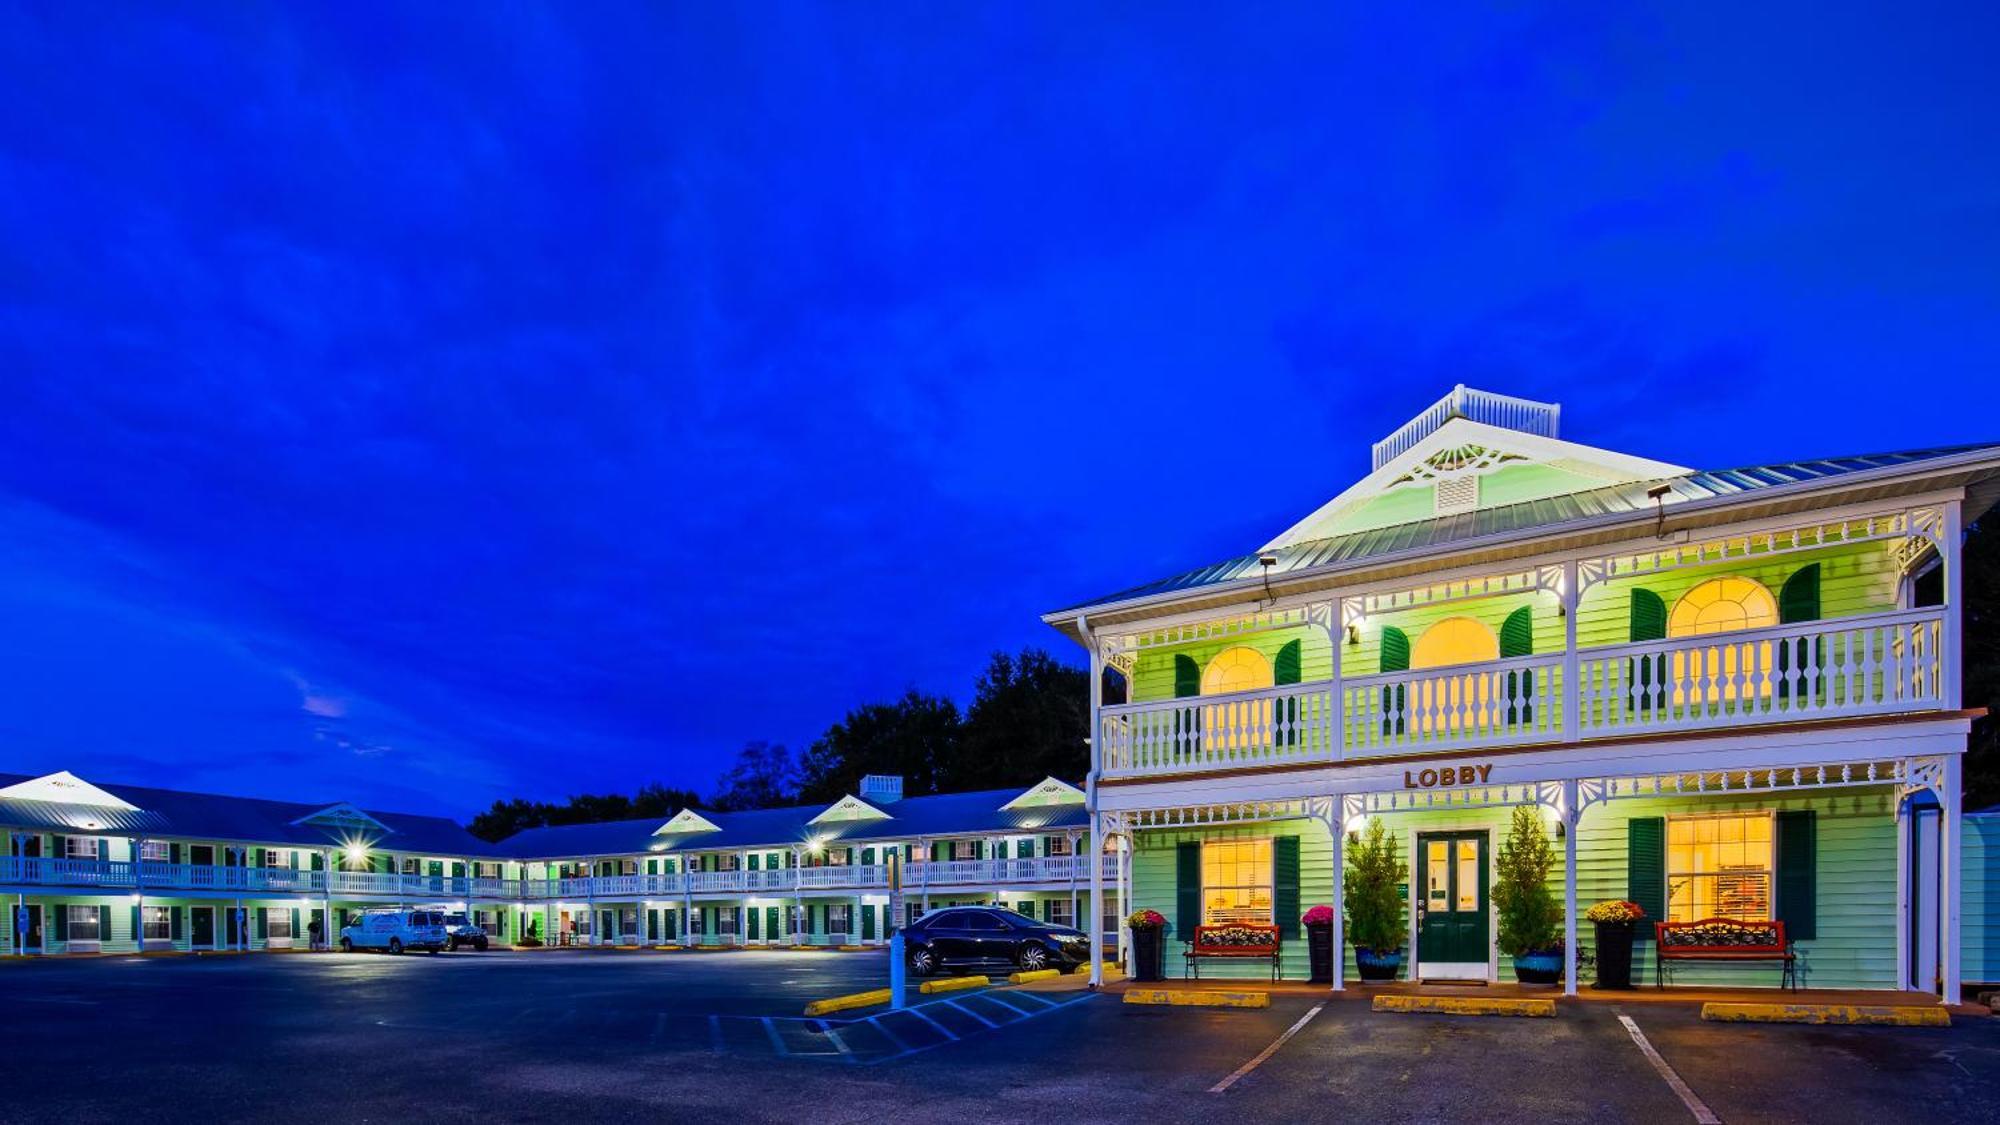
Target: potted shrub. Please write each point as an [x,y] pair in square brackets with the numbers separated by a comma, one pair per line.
[1530,920]
[1375,907]
[1615,919]
[532,939]
[1149,929]
[1319,942]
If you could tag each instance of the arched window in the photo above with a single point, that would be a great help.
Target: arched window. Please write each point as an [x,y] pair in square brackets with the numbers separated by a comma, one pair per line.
[1236,669]
[1711,675]
[1455,640]
[1721,605]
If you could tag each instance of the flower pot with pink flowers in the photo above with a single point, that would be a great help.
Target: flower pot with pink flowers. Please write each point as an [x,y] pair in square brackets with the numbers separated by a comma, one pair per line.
[1319,942]
[1149,928]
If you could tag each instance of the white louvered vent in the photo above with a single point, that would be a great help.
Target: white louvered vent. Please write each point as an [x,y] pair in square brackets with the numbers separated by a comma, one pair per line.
[1457,494]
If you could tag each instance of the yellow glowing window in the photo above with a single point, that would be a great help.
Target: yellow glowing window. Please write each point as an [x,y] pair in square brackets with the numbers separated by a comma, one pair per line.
[1455,640]
[1723,605]
[1455,702]
[1236,669]
[1719,867]
[1236,881]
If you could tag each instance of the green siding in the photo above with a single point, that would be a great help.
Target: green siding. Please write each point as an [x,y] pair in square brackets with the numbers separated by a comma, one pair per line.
[1979,907]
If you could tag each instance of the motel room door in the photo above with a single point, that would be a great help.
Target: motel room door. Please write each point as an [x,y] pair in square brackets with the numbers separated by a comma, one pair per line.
[1452,912]
[202,927]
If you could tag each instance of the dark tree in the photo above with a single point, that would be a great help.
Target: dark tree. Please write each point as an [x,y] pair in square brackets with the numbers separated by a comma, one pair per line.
[1029,719]
[764,776]
[915,737]
[1980,636]
[508,817]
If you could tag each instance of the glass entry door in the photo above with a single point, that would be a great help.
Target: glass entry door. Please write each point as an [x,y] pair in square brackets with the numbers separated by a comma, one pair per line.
[1452,911]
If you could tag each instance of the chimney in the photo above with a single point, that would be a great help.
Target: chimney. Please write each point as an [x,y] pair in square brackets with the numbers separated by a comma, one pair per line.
[881,788]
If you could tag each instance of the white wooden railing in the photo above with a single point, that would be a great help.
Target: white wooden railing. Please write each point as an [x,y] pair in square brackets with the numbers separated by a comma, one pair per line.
[1512,413]
[1863,665]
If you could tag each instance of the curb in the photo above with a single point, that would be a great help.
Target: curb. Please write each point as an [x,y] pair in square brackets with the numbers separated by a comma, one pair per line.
[1037,974]
[1880,1015]
[952,984]
[1178,998]
[1466,1006]
[851,948]
[851,1000]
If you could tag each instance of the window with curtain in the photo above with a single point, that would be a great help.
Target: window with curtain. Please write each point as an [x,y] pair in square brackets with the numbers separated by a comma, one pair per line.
[83,924]
[1236,882]
[1719,867]
[157,923]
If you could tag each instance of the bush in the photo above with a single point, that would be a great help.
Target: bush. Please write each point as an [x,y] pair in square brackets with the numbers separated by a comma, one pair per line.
[1375,878]
[1530,919]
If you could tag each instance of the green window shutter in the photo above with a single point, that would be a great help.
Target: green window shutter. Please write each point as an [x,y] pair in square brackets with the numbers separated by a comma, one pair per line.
[1285,884]
[263,922]
[938,852]
[138,931]
[979,849]
[1798,875]
[1645,677]
[1187,888]
[1395,650]
[104,925]
[1649,617]
[1187,676]
[1646,868]
[1517,634]
[174,921]
[1798,598]
[1287,667]
[1395,658]
[295,924]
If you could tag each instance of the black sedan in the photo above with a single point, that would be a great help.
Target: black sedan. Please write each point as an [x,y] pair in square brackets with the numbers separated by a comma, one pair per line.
[977,938]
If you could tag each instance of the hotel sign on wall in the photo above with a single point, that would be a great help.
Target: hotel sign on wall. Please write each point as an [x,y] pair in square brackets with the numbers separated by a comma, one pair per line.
[1444,777]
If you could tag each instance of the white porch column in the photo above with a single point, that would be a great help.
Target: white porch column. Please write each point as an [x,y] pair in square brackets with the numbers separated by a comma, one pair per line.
[1096,931]
[1339,826]
[326,934]
[800,924]
[1950,857]
[1954,609]
[924,872]
[1074,857]
[1572,695]
[1125,897]
[138,893]
[1571,816]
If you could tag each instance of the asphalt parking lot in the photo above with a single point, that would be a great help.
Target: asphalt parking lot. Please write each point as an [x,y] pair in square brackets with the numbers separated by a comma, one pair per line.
[598,1036]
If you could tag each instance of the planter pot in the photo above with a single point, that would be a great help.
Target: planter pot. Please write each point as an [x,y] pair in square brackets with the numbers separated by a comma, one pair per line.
[1614,954]
[1319,945]
[1147,953]
[1543,966]
[1375,966]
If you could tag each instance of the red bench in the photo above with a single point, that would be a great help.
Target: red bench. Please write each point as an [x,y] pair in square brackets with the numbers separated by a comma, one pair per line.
[1236,940]
[1722,939]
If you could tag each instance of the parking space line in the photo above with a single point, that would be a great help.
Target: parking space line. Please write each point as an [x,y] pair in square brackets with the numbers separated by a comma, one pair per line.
[833,1036]
[777,1044]
[1266,1053]
[950,1036]
[1702,1114]
[878,1025]
[956,1006]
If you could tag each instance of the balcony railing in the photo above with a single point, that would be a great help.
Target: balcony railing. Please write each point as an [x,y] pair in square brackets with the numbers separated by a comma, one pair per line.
[1865,665]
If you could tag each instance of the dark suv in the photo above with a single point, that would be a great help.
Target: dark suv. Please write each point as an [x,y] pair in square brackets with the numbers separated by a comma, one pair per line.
[966,938]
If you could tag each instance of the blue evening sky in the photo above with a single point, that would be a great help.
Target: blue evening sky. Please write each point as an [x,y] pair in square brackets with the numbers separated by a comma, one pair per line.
[422,404]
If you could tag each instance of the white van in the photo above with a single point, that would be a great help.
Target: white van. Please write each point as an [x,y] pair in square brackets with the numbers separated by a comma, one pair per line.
[395,931]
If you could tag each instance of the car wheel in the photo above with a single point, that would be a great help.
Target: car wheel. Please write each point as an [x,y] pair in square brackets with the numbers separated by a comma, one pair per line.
[396,945]
[481,947]
[347,945]
[922,961]
[436,949]
[1033,958]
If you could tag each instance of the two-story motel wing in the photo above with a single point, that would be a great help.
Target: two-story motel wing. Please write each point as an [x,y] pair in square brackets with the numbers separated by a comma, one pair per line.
[114,868]
[1733,694]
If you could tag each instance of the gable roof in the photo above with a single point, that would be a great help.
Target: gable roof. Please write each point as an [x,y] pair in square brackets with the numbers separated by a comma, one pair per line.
[213,816]
[946,814]
[1606,504]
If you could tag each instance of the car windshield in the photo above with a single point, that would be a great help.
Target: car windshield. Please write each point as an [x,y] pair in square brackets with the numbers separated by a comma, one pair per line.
[454,919]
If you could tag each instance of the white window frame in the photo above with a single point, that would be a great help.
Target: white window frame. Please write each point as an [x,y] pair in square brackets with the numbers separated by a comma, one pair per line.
[81,917]
[156,923]
[1269,886]
[1053,907]
[1057,846]
[970,847]
[72,850]
[845,925]
[155,851]
[277,917]
[1770,872]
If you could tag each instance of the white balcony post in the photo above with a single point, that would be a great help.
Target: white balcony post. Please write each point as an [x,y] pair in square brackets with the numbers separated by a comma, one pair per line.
[1125,897]
[1572,694]
[1951,861]
[139,892]
[1073,858]
[1571,817]
[326,898]
[590,904]
[800,923]
[1952,550]
[924,872]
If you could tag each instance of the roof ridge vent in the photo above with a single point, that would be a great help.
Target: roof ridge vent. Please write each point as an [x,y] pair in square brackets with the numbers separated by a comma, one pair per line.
[1505,411]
